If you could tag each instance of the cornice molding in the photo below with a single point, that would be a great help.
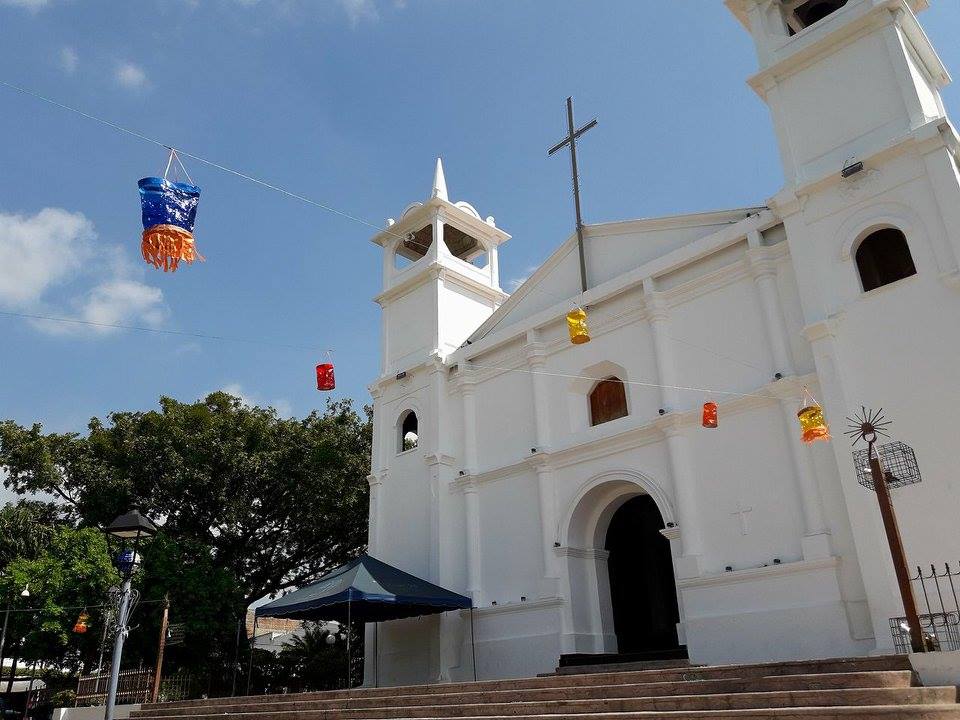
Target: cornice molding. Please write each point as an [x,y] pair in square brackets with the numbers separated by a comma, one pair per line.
[522,606]
[671,533]
[440,458]
[417,215]
[768,572]
[586,449]
[582,553]
[826,328]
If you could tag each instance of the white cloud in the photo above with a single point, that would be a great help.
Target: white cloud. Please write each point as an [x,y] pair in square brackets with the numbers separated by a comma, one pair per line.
[40,251]
[42,258]
[358,10]
[69,60]
[120,301]
[28,4]
[516,282]
[282,406]
[131,76]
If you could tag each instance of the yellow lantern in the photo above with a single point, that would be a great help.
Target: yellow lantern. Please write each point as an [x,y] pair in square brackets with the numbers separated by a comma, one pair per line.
[577,325]
[812,424]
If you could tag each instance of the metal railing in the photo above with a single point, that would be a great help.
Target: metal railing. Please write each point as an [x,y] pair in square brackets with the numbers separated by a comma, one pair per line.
[133,686]
[936,593]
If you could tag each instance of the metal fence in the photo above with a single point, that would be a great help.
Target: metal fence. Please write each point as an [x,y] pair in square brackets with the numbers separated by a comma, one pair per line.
[136,686]
[133,686]
[936,593]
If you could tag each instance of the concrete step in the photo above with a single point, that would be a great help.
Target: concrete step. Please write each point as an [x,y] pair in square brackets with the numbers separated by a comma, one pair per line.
[616,708]
[715,672]
[621,667]
[889,679]
[872,712]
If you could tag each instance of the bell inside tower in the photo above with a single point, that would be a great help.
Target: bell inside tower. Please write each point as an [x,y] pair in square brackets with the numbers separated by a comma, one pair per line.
[458,243]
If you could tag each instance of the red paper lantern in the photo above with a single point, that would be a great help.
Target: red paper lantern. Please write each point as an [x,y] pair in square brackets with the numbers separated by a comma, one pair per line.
[325,379]
[709,414]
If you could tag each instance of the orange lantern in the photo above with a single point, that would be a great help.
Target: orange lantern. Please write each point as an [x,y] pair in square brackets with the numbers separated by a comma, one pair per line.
[812,425]
[577,326]
[83,623]
[709,414]
[325,379]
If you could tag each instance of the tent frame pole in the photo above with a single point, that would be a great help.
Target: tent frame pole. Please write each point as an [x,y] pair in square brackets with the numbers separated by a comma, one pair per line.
[349,638]
[473,645]
[253,643]
[376,654]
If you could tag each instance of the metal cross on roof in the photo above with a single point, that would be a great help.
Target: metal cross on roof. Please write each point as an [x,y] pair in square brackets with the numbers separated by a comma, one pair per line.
[571,140]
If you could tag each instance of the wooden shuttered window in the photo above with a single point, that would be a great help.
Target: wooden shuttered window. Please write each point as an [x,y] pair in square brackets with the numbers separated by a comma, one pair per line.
[608,401]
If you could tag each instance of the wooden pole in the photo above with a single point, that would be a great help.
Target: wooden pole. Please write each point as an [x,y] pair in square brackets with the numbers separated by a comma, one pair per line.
[161,646]
[897,553]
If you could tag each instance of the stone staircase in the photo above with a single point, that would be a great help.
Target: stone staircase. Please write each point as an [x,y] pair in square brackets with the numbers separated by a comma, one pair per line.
[849,688]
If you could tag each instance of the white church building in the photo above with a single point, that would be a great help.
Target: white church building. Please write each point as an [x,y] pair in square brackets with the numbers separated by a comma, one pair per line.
[572,491]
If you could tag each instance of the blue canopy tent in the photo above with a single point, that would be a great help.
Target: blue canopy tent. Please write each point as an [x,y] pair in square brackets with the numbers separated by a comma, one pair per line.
[368,590]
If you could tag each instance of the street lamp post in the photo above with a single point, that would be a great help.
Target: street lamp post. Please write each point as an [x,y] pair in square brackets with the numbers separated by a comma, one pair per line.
[126,531]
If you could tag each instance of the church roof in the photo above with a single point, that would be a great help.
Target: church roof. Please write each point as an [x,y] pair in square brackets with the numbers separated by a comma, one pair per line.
[612,249]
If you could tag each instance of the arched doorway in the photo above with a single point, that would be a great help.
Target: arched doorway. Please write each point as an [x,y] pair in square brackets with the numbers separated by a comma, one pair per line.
[643,593]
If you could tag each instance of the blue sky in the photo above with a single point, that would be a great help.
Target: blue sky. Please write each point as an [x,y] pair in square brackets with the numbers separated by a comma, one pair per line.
[347,102]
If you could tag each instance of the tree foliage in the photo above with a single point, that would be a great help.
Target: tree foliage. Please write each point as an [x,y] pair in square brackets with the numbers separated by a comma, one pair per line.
[71,572]
[249,503]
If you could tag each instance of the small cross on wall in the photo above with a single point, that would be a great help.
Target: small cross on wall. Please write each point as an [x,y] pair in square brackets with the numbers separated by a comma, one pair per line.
[742,512]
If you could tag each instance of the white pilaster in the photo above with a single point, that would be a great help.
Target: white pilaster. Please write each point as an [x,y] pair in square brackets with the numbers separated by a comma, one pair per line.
[546,494]
[468,383]
[474,565]
[685,491]
[658,314]
[816,540]
[764,273]
[537,362]
[373,529]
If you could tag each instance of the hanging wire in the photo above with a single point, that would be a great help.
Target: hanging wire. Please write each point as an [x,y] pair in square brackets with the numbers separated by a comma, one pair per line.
[77,607]
[640,383]
[198,158]
[162,331]
[175,155]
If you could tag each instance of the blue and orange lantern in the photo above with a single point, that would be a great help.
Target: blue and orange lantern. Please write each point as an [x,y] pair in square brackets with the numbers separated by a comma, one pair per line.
[169,212]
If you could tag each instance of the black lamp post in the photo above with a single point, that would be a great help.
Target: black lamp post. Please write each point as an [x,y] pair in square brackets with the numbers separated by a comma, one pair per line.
[124,535]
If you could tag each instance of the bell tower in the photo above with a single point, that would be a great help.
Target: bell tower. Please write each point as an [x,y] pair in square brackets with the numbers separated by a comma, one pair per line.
[440,277]
[871,216]
[842,78]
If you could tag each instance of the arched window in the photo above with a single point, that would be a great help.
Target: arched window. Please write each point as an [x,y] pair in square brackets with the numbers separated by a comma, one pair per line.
[608,401]
[884,257]
[409,433]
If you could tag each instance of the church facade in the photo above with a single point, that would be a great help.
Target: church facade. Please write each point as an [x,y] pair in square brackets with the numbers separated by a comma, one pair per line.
[572,491]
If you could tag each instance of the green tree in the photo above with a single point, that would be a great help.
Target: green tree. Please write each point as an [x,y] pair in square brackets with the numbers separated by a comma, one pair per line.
[26,528]
[71,572]
[250,503]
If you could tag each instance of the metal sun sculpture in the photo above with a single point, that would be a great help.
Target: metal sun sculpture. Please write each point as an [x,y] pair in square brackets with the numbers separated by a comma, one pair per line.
[867,425]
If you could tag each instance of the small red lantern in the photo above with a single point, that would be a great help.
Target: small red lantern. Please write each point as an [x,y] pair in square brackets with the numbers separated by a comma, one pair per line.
[709,414]
[325,380]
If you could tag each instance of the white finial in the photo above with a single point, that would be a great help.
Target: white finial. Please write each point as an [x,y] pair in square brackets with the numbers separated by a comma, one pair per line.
[439,183]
